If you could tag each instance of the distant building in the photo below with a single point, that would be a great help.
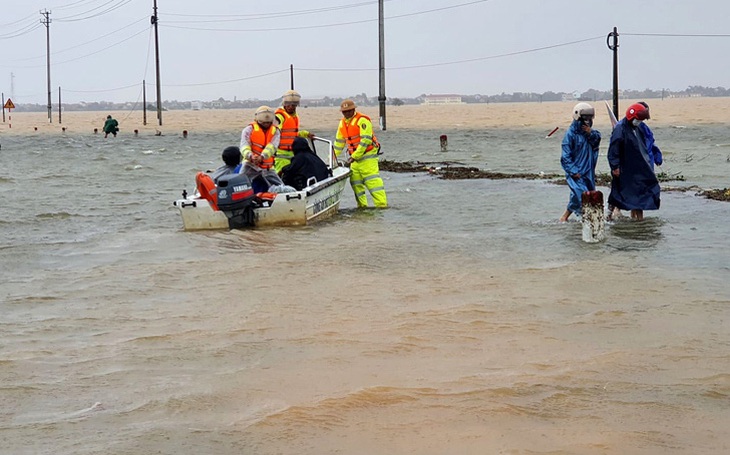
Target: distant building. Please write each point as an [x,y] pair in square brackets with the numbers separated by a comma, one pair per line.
[196,105]
[442,99]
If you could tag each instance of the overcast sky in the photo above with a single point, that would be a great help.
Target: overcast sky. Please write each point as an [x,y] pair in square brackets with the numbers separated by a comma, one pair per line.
[102,50]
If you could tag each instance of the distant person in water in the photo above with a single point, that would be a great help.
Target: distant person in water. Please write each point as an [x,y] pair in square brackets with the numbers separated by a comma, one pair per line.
[579,157]
[111,126]
[634,185]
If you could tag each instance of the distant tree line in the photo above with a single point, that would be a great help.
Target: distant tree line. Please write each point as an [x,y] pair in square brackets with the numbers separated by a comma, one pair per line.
[363,100]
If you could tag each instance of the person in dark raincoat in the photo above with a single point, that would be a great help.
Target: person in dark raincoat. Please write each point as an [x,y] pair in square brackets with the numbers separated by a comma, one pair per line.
[231,163]
[111,126]
[634,186]
[579,157]
[304,165]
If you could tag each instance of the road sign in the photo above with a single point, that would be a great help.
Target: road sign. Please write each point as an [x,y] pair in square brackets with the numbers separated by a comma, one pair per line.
[9,104]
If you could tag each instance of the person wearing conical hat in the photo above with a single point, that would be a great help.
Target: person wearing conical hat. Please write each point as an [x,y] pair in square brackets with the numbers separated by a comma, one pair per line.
[288,123]
[355,133]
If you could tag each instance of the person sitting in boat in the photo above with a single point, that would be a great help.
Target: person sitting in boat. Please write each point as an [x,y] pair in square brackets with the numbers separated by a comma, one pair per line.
[288,123]
[304,165]
[259,141]
[231,161]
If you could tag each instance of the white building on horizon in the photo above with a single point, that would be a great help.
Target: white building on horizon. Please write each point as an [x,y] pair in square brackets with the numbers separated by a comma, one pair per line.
[443,99]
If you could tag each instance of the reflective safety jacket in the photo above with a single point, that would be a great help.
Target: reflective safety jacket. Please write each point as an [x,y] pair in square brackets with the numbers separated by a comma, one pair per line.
[357,133]
[261,144]
[289,127]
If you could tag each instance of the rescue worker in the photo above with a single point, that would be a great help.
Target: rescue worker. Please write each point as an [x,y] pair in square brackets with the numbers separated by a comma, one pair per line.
[288,123]
[259,141]
[355,132]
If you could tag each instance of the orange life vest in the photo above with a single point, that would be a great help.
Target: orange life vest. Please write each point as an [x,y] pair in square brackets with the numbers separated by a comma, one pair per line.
[350,130]
[259,140]
[289,129]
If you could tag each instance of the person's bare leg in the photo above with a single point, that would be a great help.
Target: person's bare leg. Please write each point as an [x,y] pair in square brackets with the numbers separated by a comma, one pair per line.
[638,215]
[565,216]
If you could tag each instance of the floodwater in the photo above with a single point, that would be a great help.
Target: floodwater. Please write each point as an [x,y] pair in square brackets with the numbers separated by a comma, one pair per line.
[463,320]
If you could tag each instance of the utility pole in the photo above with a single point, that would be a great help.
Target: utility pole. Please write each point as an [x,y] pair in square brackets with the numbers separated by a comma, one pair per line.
[144,103]
[613,46]
[381,40]
[291,75]
[154,21]
[47,22]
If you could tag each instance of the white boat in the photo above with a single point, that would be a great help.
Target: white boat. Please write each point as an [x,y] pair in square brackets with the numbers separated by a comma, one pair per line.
[317,201]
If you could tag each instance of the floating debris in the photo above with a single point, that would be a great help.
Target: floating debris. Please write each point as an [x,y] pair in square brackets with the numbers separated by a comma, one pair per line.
[451,170]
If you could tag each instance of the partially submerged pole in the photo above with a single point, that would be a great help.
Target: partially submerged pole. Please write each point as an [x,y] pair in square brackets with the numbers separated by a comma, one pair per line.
[613,46]
[592,219]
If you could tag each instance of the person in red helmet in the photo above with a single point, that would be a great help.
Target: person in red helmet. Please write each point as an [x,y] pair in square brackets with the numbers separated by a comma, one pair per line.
[634,185]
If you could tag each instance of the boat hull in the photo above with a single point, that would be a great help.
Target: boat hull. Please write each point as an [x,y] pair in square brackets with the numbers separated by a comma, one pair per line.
[314,203]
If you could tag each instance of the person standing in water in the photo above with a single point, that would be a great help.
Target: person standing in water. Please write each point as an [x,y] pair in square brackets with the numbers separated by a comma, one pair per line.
[111,126]
[634,185]
[355,133]
[579,157]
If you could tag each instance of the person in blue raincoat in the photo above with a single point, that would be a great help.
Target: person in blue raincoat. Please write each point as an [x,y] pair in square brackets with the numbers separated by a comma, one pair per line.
[653,153]
[634,186]
[580,156]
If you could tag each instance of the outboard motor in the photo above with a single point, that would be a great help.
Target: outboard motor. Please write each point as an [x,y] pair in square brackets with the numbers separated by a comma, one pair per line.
[235,199]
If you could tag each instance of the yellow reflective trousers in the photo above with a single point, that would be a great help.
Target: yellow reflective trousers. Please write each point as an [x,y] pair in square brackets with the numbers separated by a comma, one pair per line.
[365,178]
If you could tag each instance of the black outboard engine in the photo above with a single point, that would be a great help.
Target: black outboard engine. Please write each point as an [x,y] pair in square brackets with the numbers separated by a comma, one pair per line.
[235,199]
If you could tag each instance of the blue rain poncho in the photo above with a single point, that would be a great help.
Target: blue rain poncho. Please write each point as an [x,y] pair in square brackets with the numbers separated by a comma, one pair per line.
[655,155]
[580,155]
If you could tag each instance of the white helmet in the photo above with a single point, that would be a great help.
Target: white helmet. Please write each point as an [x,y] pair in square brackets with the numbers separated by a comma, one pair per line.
[581,109]
[291,96]
[264,114]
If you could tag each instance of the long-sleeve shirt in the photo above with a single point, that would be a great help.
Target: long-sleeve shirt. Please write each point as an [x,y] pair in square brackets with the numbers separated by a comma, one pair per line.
[269,149]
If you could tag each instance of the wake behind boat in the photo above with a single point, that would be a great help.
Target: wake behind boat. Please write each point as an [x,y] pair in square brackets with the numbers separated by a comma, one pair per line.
[236,206]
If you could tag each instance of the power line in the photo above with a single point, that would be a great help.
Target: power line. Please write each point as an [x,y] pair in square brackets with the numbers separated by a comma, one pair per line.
[86,42]
[100,13]
[681,35]
[339,24]
[456,62]
[238,17]
[229,81]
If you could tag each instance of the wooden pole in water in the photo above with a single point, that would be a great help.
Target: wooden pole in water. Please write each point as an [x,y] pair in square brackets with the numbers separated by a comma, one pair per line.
[381,40]
[59,104]
[157,64]
[592,219]
[144,102]
[614,47]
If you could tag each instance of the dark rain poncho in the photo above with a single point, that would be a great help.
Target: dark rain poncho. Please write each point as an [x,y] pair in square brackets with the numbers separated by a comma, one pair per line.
[304,164]
[580,155]
[636,188]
